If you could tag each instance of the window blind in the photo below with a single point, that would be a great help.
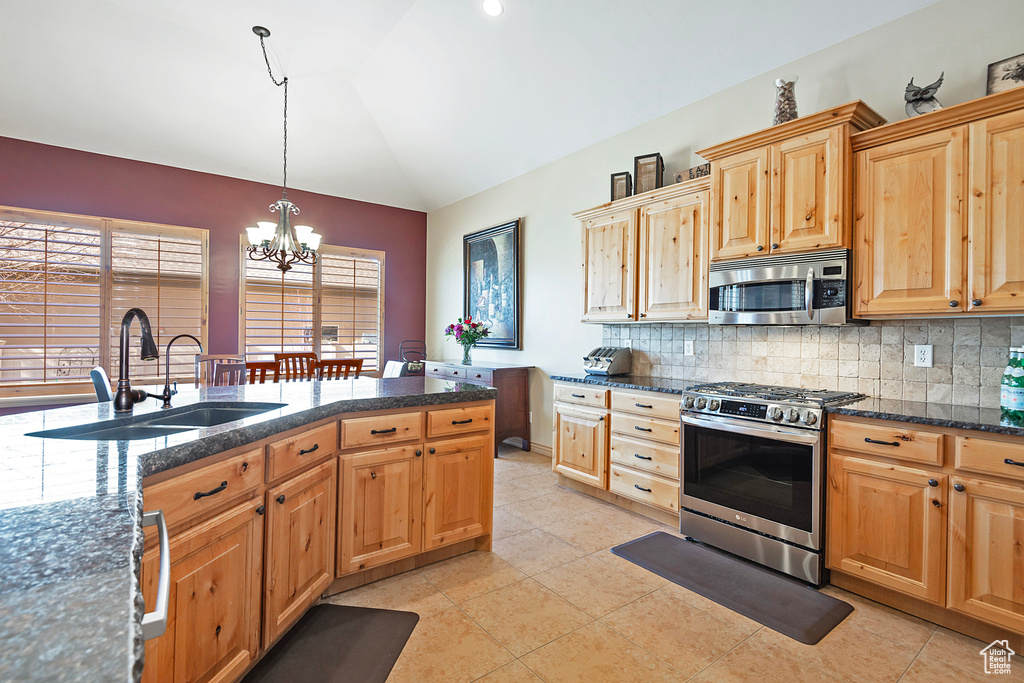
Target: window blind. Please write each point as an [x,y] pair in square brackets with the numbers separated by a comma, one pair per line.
[278,309]
[350,307]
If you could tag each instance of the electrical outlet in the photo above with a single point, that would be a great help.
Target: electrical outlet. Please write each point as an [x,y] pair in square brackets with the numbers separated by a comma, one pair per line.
[688,347]
[531,417]
[922,355]
[628,343]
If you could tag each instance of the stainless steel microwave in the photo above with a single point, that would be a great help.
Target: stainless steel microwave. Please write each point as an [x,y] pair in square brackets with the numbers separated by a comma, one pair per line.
[799,289]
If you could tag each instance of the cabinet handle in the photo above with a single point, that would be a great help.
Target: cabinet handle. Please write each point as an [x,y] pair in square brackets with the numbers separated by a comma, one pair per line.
[638,486]
[760,248]
[261,509]
[418,453]
[245,466]
[976,302]
[432,451]
[642,429]
[933,482]
[211,492]
[280,499]
[882,443]
[936,503]
[1008,461]
[641,405]
[478,375]
[643,315]
[642,457]
[373,475]
[959,488]
[577,395]
[315,447]
[954,303]
[775,245]
[155,623]
[384,431]
[462,422]
[629,315]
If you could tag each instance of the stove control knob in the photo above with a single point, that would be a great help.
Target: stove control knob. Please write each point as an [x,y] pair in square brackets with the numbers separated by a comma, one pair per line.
[688,402]
[775,414]
[713,404]
[810,418]
[792,415]
[701,403]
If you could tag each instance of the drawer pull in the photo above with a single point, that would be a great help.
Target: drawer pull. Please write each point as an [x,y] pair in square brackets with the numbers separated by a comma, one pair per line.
[638,486]
[212,492]
[1008,461]
[641,405]
[315,447]
[882,443]
[373,475]
[280,499]
[245,467]
[642,457]
[462,422]
[478,375]
[959,487]
[642,429]
[384,431]
[578,395]
[936,503]
[933,482]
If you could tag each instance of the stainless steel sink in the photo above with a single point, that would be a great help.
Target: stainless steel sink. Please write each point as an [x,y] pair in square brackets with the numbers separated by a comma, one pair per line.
[108,430]
[208,415]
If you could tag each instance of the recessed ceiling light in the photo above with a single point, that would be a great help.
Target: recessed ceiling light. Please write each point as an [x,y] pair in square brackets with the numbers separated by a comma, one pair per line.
[493,7]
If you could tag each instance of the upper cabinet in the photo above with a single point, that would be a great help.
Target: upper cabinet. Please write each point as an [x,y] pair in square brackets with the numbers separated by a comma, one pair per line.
[939,207]
[785,189]
[609,267]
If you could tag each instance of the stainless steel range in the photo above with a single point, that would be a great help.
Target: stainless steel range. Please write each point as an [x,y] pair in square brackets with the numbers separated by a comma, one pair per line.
[753,472]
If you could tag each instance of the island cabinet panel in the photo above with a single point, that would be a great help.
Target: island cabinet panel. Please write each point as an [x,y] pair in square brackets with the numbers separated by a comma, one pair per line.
[300,546]
[807,193]
[456,490]
[380,499]
[213,628]
[609,267]
[986,563]
[580,449]
[380,430]
[887,524]
[739,213]
[674,258]
[995,271]
[909,226]
[296,452]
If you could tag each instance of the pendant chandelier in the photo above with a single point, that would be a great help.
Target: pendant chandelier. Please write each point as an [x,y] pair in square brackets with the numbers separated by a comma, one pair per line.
[281,241]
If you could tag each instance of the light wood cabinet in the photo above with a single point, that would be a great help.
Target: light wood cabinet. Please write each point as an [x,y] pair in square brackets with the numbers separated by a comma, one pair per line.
[580,445]
[609,267]
[456,490]
[300,546]
[807,191]
[673,281]
[213,627]
[739,186]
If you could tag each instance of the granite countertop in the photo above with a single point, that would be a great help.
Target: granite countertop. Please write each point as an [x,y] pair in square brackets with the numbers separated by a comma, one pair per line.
[70,539]
[937,414]
[660,384]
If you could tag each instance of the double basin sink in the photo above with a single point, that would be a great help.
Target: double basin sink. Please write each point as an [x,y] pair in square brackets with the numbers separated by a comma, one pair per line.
[151,426]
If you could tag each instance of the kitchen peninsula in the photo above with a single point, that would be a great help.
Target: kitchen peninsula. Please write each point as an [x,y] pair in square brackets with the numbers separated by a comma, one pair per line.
[71,544]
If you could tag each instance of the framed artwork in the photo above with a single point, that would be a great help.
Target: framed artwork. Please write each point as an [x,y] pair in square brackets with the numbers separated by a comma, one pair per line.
[649,171]
[491,294]
[622,185]
[1006,74]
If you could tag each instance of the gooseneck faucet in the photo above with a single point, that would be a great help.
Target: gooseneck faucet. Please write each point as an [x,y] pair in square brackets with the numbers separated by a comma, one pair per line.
[168,392]
[127,397]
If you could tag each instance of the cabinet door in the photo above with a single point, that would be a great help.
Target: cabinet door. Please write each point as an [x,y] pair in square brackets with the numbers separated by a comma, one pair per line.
[380,499]
[739,212]
[456,490]
[887,524]
[581,445]
[301,515]
[213,627]
[807,192]
[909,227]
[674,258]
[995,273]
[986,565]
[609,267]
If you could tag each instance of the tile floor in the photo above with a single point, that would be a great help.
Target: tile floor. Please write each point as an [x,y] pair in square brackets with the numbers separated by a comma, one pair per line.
[551,603]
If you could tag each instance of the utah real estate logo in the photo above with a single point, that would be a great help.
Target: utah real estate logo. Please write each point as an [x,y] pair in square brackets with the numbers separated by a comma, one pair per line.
[997,657]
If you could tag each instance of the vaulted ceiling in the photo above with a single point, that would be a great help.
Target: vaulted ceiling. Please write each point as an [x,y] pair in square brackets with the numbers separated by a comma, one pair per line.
[411,103]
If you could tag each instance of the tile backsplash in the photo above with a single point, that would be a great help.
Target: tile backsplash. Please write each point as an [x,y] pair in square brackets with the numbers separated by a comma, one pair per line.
[969,356]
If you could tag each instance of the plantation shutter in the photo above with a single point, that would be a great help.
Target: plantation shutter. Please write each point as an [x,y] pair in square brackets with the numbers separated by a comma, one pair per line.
[350,317]
[279,309]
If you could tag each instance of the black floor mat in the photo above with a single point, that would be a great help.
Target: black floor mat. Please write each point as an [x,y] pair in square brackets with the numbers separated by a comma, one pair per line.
[782,604]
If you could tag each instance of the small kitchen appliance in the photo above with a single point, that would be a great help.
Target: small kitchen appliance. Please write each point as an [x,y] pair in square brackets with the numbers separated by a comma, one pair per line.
[608,360]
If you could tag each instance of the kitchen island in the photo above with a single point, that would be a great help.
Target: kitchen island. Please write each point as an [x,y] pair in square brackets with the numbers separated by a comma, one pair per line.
[71,544]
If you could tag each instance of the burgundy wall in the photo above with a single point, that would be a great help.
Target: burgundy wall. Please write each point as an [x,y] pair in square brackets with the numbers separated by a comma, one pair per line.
[35,176]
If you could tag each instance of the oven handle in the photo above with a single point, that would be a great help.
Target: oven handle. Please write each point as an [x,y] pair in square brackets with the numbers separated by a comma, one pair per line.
[767,432]
[809,294]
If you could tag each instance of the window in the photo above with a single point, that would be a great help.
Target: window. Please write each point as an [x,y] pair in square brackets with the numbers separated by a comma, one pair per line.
[341,298]
[65,283]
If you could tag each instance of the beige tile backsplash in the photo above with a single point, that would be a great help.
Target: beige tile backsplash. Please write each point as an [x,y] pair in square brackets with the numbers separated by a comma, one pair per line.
[969,356]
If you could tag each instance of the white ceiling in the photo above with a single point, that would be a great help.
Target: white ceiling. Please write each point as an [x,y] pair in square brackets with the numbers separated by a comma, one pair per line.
[411,103]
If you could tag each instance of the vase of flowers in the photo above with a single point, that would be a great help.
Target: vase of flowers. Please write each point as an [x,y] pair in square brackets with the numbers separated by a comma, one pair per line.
[467,333]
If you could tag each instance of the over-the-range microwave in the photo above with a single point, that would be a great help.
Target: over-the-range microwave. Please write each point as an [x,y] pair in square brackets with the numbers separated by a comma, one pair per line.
[799,289]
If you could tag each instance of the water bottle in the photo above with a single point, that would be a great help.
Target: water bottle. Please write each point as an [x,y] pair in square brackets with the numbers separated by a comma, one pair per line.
[1011,395]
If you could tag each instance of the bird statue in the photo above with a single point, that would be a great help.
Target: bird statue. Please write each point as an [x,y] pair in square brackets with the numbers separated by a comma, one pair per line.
[922,100]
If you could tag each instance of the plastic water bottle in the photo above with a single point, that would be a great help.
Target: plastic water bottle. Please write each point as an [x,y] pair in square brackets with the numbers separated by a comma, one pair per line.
[1011,395]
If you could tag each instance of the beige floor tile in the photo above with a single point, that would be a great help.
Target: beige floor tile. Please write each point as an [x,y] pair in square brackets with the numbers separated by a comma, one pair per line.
[468,576]
[687,638]
[535,551]
[593,586]
[884,621]
[926,670]
[541,483]
[596,654]
[578,501]
[636,571]
[505,524]
[711,607]
[524,615]
[541,511]
[448,646]
[407,592]
[513,672]
[510,470]
[590,532]
[757,660]
[961,652]
[506,492]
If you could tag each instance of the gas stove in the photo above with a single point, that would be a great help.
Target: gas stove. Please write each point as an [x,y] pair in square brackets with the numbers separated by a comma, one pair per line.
[764,403]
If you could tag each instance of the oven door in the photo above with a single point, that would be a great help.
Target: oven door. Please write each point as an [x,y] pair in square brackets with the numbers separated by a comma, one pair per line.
[763,477]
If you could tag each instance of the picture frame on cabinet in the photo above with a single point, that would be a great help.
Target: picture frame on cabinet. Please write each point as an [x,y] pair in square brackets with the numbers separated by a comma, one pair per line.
[1006,74]
[492,287]
[700,171]
[649,172]
[622,185]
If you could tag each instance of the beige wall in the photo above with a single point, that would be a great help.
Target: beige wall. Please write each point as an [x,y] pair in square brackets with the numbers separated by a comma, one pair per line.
[960,37]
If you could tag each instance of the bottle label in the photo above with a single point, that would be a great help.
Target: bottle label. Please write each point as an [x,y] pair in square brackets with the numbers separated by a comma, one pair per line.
[1012,398]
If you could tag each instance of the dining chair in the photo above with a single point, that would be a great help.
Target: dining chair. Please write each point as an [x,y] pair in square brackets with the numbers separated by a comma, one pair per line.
[228,374]
[339,368]
[258,371]
[206,362]
[293,366]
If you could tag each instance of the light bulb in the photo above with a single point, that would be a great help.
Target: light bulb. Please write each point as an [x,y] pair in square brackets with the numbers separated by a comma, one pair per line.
[493,8]
[314,242]
[267,229]
[255,236]
[302,233]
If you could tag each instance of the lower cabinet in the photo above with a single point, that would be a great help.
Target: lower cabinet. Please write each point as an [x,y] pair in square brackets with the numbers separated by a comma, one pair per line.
[581,445]
[456,493]
[213,627]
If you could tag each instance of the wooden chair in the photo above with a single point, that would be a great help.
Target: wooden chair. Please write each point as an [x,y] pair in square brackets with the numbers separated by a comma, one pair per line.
[258,371]
[293,366]
[205,364]
[228,374]
[334,369]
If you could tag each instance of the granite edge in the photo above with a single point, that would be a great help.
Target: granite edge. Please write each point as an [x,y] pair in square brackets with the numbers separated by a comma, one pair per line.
[618,385]
[922,420]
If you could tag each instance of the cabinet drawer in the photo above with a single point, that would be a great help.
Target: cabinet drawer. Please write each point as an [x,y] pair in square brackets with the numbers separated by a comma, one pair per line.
[888,441]
[382,429]
[199,493]
[646,428]
[647,403]
[582,394]
[434,369]
[987,456]
[645,488]
[458,420]
[288,455]
[663,460]
[478,376]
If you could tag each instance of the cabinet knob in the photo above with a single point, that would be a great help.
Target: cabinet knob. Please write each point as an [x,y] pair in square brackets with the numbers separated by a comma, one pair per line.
[933,482]
[959,487]
[954,303]
[629,315]
[261,509]
[760,248]
[373,475]
[936,503]
[432,451]
[280,499]
[775,245]
[418,453]
[643,315]
[976,302]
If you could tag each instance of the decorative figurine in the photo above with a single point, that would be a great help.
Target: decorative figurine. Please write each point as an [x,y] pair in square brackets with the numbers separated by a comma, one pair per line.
[922,100]
[785,100]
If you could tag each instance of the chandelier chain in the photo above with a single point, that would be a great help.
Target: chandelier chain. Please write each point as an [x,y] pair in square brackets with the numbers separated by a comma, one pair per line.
[284,82]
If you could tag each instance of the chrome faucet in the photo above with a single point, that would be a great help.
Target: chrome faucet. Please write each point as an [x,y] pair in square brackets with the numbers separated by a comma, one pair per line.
[168,392]
[127,397]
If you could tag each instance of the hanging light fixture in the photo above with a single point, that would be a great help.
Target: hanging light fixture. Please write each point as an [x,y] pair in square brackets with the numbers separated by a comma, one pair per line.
[281,241]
